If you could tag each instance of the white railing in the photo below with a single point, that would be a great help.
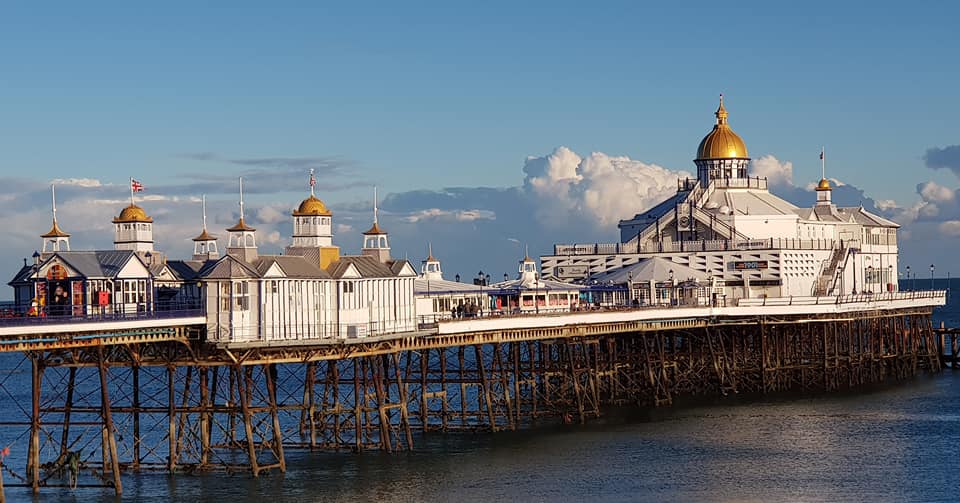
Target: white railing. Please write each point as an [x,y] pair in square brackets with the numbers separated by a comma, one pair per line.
[702,245]
[843,299]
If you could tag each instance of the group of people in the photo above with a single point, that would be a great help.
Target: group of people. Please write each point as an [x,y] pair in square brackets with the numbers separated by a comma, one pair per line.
[59,304]
[468,310]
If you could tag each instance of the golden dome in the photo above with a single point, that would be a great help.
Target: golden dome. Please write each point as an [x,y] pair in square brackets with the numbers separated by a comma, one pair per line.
[312,206]
[241,227]
[375,230]
[722,142]
[204,236]
[132,213]
[823,185]
[55,232]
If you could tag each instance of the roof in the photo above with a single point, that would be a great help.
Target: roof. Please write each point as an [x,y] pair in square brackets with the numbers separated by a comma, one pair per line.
[540,284]
[132,213]
[396,266]
[205,236]
[312,206]
[96,264]
[227,267]
[368,267]
[55,232]
[649,269]
[293,266]
[722,142]
[375,229]
[187,270]
[748,202]
[241,226]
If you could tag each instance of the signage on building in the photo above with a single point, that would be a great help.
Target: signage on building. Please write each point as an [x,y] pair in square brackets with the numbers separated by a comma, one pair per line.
[571,271]
[748,265]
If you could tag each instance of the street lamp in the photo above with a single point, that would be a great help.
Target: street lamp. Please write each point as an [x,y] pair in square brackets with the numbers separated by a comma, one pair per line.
[908,277]
[868,278]
[457,277]
[889,280]
[505,277]
[931,276]
[672,287]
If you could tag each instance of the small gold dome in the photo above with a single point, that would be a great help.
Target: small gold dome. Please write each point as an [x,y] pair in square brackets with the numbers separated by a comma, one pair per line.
[312,206]
[722,142]
[132,213]
[824,185]
[375,230]
[55,232]
[205,236]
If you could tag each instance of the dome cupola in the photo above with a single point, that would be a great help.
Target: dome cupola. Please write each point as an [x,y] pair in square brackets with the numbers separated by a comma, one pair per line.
[722,154]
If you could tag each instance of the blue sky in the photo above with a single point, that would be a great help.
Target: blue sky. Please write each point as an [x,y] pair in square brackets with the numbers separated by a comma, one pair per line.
[422,96]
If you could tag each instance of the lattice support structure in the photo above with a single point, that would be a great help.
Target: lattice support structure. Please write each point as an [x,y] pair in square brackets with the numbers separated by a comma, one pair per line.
[95,412]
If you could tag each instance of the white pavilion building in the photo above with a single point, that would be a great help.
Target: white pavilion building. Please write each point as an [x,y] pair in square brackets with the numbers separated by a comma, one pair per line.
[746,240]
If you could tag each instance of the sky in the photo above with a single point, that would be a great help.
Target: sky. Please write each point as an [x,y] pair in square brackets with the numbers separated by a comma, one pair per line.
[487,127]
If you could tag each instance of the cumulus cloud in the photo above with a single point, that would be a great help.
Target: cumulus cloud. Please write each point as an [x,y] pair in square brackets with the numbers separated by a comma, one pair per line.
[777,173]
[933,192]
[598,188]
[272,214]
[943,158]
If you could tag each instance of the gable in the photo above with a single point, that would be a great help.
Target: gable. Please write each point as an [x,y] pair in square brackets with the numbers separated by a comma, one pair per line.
[56,267]
[351,272]
[274,271]
[406,271]
[133,268]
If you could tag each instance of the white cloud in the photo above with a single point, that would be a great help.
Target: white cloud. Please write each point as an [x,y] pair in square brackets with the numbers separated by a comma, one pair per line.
[600,188]
[950,228]
[78,182]
[272,214]
[777,173]
[450,215]
[931,191]
[343,228]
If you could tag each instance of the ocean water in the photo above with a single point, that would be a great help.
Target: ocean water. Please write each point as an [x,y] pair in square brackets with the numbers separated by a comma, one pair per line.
[892,443]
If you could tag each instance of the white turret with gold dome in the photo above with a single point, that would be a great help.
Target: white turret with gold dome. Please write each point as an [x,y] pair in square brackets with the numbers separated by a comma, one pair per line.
[133,229]
[55,240]
[312,221]
[242,239]
[205,245]
[722,154]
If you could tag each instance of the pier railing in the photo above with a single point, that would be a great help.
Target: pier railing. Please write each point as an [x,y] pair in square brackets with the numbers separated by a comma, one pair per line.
[843,299]
[700,245]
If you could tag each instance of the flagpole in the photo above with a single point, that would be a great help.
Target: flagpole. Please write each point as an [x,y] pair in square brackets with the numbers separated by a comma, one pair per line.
[823,163]
[131,191]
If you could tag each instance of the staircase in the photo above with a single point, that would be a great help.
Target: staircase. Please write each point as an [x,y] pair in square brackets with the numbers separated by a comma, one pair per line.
[825,283]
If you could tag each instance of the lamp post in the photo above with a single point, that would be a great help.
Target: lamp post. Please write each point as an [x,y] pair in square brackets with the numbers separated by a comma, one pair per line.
[457,277]
[908,277]
[931,276]
[868,279]
[889,281]
[505,277]
[672,287]
[36,279]
[629,288]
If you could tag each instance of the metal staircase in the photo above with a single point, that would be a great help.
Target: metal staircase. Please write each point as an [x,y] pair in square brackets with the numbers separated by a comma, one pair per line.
[828,277]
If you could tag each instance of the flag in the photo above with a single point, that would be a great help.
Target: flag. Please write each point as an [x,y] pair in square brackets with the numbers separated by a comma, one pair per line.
[136,186]
[821,155]
[313,181]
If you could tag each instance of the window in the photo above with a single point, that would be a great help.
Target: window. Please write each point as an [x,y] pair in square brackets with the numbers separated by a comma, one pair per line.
[241,296]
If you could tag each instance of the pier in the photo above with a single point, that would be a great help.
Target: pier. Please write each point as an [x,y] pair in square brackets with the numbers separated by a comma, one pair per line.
[152,393]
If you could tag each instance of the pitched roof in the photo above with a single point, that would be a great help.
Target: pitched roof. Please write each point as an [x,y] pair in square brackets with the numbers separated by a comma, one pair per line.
[228,267]
[293,266]
[649,269]
[368,267]
[96,264]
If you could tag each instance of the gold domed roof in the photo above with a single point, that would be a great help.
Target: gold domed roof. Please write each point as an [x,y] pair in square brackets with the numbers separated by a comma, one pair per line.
[312,206]
[132,213]
[205,236]
[55,232]
[375,230]
[722,142]
[824,185]
[241,226]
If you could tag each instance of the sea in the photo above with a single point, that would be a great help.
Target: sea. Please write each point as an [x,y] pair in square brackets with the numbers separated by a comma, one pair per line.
[897,442]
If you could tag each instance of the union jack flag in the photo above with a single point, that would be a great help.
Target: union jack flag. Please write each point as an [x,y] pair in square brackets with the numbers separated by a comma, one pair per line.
[136,186]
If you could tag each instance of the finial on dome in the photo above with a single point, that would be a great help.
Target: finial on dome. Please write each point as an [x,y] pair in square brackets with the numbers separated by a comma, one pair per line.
[313,181]
[721,112]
